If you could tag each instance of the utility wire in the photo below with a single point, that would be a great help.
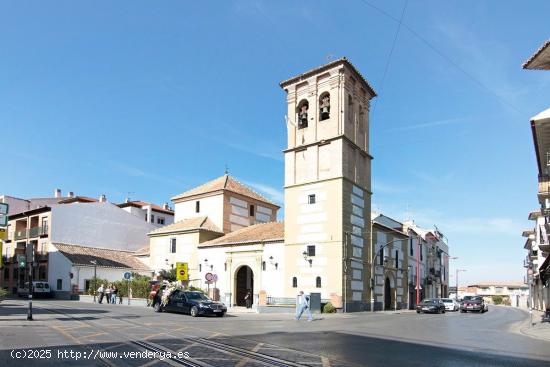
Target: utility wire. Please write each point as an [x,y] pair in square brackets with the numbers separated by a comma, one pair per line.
[445,57]
[400,22]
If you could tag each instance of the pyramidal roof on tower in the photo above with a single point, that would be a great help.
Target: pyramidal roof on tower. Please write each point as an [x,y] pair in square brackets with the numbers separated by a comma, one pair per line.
[223,183]
[327,66]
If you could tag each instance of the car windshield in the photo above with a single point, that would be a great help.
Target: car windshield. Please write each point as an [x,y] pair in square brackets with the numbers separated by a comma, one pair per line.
[38,285]
[447,300]
[429,301]
[196,296]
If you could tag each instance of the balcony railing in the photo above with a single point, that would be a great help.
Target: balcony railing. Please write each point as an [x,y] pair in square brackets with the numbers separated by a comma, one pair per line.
[19,235]
[38,231]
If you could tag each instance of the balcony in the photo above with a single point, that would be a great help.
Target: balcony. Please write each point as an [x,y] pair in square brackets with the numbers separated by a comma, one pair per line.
[20,235]
[38,232]
[544,186]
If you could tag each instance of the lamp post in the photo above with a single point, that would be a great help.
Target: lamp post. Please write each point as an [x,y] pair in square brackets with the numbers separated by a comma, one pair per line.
[458,271]
[307,258]
[373,264]
[94,262]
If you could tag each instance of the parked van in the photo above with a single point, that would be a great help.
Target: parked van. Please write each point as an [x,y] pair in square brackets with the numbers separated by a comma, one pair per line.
[40,289]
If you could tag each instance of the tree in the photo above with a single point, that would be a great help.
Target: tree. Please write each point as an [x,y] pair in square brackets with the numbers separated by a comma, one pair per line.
[169,275]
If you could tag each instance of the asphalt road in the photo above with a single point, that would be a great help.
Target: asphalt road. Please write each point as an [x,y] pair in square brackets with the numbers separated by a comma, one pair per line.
[102,333]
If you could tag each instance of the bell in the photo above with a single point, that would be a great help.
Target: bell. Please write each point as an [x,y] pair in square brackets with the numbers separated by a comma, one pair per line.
[325,109]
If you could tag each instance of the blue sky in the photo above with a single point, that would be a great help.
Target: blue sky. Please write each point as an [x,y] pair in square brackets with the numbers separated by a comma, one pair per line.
[118,97]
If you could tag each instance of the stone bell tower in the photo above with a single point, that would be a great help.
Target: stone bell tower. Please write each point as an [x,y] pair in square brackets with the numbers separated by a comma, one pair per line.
[328,185]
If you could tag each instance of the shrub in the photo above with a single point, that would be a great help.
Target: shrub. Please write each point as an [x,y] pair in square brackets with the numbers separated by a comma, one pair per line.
[169,275]
[94,285]
[3,292]
[497,300]
[329,308]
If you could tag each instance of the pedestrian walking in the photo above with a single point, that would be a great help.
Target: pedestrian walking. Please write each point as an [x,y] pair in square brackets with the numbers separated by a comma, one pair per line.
[303,306]
[108,293]
[114,294]
[248,299]
[101,292]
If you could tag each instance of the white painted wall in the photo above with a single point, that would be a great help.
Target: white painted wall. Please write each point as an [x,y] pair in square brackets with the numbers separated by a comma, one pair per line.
[16,205]
[268,280]
[83,273]
[186,251]
[103,225]
[211,206]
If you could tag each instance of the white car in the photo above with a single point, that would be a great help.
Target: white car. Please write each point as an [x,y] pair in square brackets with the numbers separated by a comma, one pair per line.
[39,289]
[450,304]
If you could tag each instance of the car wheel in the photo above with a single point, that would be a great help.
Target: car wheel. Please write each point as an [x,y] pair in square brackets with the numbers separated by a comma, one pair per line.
[194,311]
[157,307]
[220,314]
[417,311]
[462,311]
[443,310]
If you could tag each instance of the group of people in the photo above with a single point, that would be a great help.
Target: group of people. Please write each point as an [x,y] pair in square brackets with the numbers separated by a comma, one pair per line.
[110,293]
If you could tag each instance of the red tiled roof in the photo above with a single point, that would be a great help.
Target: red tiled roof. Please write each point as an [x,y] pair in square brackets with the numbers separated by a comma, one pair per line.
[82,255]
[224,182]
[540,59]
[264,232]
[190,224]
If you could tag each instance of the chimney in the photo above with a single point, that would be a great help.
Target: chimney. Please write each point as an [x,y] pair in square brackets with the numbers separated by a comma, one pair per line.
[165,206]
[71,194]
[57,193]
[127,200]
[102,198]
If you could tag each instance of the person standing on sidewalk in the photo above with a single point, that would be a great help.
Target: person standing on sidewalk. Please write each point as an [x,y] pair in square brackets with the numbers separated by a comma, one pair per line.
[101,292]
[303,306]
[114,293]
[108,293]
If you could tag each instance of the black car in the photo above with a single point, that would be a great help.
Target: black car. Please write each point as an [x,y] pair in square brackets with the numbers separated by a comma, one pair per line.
[431,305]
[473,303]
[191,302]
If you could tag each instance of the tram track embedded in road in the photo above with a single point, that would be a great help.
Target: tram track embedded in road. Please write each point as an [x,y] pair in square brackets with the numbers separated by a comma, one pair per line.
[247,354]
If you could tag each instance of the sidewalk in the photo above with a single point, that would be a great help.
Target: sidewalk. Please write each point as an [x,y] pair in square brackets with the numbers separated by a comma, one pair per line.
[539,330]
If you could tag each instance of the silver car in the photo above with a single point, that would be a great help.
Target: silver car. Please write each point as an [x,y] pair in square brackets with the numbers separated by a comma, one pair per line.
[450,304]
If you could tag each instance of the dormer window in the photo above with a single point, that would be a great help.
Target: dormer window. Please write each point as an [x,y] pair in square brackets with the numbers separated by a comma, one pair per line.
[324,106]
[303,107]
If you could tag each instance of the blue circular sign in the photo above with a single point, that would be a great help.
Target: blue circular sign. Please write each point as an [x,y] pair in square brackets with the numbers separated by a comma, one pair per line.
[127,275]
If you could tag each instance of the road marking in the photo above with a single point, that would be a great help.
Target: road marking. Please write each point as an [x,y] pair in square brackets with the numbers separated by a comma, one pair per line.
[325,361]
[244,360]
[61,331]
[153,335]
[92,335]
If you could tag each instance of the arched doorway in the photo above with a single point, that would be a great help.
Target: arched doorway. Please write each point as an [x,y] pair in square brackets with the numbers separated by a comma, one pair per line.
[244,281]
[387,294]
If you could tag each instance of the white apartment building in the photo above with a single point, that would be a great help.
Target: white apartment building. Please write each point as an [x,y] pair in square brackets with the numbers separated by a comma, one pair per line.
[157,215]
[537,242]
[72,221]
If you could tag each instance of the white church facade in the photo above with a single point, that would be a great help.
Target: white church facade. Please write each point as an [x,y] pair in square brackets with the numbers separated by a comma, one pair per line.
[225,228]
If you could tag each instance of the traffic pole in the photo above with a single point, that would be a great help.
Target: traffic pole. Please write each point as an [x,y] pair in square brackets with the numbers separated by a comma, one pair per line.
[31,290]
[418,273]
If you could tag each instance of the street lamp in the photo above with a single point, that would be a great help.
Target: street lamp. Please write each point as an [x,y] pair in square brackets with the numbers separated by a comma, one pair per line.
[94,262]
[310,261]
[458,271]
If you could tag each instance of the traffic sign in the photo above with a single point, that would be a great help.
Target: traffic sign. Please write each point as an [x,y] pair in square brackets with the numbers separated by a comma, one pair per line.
[182,271]
[4,208]
[127,275]
[209,277]
[215,278]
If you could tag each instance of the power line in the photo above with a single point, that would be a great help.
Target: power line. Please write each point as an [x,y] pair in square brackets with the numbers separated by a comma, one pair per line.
[400,22]
[445,57]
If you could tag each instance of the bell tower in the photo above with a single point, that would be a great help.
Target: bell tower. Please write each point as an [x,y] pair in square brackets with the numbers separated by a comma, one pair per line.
[328,185]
